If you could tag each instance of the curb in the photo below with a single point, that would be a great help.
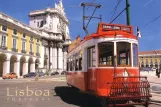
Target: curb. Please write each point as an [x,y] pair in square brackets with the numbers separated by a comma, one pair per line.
[155,102]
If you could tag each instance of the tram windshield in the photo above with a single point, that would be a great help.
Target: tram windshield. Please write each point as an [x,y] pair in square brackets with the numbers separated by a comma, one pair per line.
[123,54]
[106,51]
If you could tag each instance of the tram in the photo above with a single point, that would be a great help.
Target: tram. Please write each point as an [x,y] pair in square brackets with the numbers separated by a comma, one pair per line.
[105,64]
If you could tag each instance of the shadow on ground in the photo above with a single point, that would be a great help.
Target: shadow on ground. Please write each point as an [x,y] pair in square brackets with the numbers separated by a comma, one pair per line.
[75,97]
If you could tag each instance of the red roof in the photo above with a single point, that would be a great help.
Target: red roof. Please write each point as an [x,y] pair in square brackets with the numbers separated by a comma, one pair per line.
[150,52]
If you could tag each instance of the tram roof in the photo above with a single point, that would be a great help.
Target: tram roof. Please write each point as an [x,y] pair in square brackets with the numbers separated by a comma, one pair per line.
[105,30]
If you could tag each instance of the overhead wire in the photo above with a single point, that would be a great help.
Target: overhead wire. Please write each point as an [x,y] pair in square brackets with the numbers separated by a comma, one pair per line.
[114,10]
[152,21]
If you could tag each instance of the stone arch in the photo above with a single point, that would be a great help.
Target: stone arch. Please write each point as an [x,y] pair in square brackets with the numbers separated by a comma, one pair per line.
[30,61]
[13,60]
[147,65]
[37,62]
[22,62]
[3,57]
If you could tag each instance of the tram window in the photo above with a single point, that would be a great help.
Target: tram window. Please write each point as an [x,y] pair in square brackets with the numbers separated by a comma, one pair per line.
[73,65]
[106,53]
[135,55]
[91,57]
[80,63]
[67,69]
[123,54]
[70,65]
[76,65]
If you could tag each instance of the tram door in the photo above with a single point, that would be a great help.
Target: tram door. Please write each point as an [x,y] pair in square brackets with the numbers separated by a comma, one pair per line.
[91,74]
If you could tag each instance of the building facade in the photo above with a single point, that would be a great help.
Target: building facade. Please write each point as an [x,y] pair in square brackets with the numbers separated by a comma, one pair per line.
[41,45]
[150,59]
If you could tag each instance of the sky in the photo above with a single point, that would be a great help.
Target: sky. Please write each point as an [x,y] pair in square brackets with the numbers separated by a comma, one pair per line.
[141,13]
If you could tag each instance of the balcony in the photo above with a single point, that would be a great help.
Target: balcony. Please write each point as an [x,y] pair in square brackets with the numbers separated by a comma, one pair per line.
[46,56]
[23,51]
[37,54]
[31,53]
[3,47]
[14,50]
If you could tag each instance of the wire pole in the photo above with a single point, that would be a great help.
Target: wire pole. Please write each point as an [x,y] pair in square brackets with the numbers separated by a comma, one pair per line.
[128,12]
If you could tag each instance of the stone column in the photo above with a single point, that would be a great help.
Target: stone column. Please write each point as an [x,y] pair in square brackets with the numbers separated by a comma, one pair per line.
[60,57]
[54,59]
[6,67]
[41,65]
[65,60]
[25,68]
[32,67]
[17,68]
[51,55]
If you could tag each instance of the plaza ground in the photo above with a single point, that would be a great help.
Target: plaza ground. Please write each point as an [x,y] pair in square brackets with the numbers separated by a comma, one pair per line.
[60,94]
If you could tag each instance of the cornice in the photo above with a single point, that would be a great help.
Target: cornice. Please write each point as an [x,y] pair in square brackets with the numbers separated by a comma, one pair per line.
[50,11]
[18,23]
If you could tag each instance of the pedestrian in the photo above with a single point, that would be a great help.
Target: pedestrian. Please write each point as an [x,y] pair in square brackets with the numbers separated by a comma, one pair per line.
[158,72]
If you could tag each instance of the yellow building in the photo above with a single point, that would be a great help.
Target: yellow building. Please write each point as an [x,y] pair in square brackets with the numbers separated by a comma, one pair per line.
[42,45]
[150,59]
[20,47]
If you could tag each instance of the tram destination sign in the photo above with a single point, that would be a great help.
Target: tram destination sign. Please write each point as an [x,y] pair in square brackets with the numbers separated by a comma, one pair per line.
[111,27]
[106,27]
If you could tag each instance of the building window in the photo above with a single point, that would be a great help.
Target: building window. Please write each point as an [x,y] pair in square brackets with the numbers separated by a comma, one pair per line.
[91,57]
[24,35]
[14,31]
[4,28]
[45,51]
[14,43]
[106,51]
[23,45]
[37,40]
[31,38]
[3,43]
[30,47]
[37,49]
[37,24]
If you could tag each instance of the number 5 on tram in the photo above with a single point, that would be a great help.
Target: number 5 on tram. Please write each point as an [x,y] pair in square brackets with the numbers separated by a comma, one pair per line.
[106,64]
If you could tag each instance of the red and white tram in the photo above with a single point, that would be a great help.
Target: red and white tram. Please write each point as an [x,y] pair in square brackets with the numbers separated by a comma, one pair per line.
[106,64]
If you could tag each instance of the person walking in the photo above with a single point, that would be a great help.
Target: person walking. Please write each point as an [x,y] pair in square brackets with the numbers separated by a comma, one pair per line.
[158,72]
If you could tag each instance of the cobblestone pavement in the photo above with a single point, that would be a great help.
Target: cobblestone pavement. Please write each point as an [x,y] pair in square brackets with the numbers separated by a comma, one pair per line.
[11,94]
[155,84]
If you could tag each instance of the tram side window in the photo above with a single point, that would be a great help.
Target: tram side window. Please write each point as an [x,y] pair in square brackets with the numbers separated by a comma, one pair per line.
[106,51]
[123,54]
[70,65]
[91,57]
[135,55]
[73,65]
[80,63]
[67,69]
[76,65]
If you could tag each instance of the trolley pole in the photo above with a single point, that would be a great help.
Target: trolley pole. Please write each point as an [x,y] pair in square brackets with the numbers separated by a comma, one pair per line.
[128,12]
